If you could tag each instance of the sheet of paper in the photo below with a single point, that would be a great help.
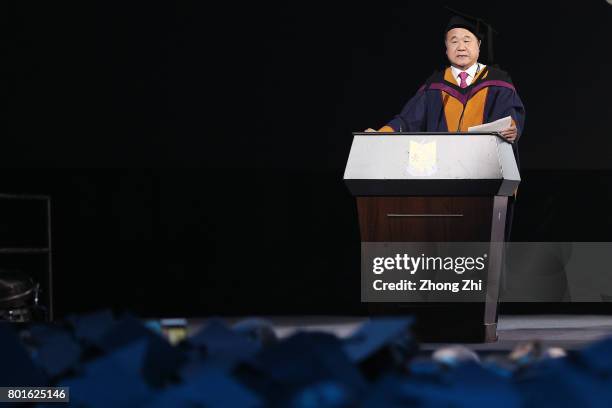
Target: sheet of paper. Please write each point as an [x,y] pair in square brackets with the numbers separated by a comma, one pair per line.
[498,125]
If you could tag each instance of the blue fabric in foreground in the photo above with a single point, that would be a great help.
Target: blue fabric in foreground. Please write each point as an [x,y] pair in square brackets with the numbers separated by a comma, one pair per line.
[121,363]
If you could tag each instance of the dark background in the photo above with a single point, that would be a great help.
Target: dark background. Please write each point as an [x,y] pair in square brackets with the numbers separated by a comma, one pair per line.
[194,154]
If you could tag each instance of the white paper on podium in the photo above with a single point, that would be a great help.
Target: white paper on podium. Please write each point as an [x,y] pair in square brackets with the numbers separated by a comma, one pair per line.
[497,126]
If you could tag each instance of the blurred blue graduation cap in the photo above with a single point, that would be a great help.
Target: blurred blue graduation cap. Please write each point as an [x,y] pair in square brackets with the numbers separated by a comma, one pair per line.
[381,345]
[130,345]
[325,394]
[123,332]
[220,341]
[467,385]
[54,348]
[216,346]
[208,388]
[16,366]
[562,383]
[597,357]
[58,354]
[259,330]
[111,381]
[376,334]
[91,327]
[304,359]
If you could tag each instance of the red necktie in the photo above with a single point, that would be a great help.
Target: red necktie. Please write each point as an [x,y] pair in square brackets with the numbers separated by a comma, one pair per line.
[463,76]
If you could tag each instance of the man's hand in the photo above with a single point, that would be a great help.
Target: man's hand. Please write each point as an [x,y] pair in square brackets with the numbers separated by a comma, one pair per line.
[369,130]
[510,134]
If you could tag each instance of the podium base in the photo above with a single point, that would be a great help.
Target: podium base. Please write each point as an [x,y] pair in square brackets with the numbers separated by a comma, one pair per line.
[442,322]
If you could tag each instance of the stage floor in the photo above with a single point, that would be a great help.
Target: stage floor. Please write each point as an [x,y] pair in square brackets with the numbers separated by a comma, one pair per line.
[565,331]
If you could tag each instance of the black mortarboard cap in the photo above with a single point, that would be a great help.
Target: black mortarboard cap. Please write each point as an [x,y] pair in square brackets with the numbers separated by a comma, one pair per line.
[461,22]
[476,25]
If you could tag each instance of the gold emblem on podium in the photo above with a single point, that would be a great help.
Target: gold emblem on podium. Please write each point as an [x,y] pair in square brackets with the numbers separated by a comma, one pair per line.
[422,159]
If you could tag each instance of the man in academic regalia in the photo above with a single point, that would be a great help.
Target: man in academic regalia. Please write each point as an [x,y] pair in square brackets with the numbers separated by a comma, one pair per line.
[467,93]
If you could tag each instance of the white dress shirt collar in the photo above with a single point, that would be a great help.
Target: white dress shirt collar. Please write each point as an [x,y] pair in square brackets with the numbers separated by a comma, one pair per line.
[471,72]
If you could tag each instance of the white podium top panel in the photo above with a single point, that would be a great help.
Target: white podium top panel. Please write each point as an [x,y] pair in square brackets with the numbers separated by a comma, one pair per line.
[431,157]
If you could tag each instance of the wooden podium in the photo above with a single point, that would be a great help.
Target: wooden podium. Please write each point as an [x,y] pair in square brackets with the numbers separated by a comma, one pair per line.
[436,187]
